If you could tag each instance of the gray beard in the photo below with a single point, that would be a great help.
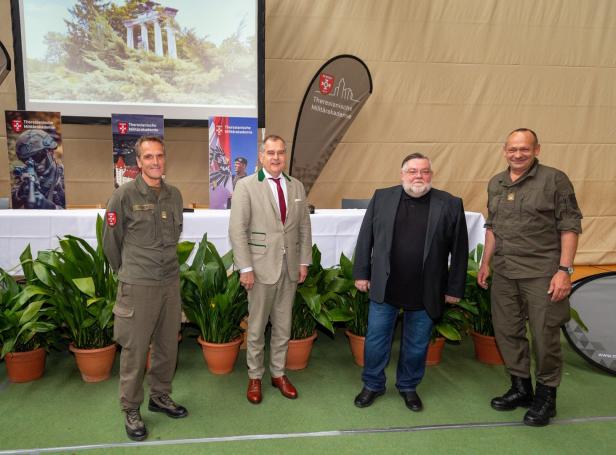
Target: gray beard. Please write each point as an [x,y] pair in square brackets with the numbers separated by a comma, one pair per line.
[409,190]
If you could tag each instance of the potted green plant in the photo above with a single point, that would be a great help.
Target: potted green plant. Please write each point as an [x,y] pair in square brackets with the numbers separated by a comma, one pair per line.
[215,302]
[454,323]
[82,289]
[316,302]
[355,305]
[26,329]
[486,350]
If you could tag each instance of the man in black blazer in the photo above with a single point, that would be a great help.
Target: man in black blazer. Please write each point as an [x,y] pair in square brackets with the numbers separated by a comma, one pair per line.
[407,235]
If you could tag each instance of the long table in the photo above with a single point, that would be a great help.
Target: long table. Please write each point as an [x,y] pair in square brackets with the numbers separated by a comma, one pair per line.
[334,231]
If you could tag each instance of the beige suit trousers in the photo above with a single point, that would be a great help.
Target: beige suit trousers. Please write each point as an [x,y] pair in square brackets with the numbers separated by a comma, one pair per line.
[273,302]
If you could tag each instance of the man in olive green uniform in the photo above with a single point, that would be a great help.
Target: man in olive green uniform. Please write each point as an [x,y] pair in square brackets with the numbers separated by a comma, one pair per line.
[142,228]
[531,240]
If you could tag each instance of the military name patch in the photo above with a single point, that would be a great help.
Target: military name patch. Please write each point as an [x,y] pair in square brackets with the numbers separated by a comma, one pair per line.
[112,219]
[141,207]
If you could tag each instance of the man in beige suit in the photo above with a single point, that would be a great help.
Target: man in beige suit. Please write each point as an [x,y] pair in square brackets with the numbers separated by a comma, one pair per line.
[272,247]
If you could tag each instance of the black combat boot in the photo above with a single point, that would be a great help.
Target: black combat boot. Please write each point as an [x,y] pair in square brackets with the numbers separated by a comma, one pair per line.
[520,394]
[543,408]
[133,423]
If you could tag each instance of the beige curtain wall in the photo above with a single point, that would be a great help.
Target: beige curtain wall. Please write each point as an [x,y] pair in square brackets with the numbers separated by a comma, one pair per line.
[451,79]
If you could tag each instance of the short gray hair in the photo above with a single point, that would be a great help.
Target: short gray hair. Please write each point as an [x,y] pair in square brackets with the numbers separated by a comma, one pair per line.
[143,139]
[272,137]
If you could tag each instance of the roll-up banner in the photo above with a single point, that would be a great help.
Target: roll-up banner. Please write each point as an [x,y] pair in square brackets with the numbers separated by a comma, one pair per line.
[234,146]
[34,142]
[126,129]
[335,95]
[5,62]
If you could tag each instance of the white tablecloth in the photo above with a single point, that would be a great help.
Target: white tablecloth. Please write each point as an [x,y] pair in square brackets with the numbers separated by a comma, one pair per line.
[334,231]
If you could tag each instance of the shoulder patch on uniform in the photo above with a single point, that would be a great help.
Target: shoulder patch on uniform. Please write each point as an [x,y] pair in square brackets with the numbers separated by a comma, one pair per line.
[112,219]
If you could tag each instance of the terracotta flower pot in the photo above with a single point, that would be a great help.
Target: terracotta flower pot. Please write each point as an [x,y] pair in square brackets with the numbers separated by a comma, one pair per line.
[486,350]
[435,351]
[299,351]
[220,357]
[94,364]
[356,343]
[25,366]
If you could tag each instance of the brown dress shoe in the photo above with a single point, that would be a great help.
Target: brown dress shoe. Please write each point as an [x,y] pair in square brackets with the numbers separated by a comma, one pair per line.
[254,391]
[285,387]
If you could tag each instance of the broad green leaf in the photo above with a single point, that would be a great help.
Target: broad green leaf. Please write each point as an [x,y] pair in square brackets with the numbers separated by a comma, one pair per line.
[325,322]
[184,250]
[30,312]
[42,273]
[449,331]
[85,285]
[25,259]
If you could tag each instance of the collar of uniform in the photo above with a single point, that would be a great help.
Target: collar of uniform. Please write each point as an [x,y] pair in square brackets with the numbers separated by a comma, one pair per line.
[532,171]
[144,188]
[262,175]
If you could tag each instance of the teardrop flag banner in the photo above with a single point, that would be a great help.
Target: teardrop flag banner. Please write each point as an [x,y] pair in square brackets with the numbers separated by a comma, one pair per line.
[334,97]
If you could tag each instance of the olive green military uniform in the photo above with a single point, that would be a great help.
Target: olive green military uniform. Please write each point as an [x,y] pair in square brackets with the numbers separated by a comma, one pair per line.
[140,239]
[527,217]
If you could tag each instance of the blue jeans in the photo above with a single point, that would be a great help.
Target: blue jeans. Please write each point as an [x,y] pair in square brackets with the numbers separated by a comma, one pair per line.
[416,331]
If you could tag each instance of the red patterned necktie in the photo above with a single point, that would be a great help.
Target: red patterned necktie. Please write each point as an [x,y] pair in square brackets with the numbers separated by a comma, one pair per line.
[281,202]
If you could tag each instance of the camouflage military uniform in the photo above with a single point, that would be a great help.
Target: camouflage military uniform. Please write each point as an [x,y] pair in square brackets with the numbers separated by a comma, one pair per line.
[39,184]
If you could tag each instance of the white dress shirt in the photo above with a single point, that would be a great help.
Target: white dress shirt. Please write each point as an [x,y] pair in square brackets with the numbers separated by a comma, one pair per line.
[274,188]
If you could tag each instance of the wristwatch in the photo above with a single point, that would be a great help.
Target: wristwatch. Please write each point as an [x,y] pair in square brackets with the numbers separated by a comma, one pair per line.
[569,270]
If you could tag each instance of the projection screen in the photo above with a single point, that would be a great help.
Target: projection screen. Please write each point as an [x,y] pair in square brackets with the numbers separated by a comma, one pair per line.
[184,59]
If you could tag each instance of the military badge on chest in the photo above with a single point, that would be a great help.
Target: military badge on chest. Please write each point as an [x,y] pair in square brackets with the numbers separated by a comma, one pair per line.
[511,196]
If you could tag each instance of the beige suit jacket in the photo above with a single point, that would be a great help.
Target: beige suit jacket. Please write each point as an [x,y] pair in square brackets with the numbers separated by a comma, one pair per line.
[258,237]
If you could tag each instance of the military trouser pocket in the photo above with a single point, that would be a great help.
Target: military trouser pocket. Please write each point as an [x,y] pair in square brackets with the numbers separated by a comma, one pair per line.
[558,313]
[123,311]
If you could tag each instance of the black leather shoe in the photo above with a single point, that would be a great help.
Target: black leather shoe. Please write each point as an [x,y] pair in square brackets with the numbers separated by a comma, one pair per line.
[366,397]
[164,403]
[135,428]
[520,394]
[543,408]
[412,401]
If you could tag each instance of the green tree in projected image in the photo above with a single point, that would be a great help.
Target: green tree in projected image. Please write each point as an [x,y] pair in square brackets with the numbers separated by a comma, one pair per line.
[92,61]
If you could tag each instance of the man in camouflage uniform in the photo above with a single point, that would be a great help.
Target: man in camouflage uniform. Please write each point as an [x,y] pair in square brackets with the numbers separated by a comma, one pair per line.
[531,239]
[240,169]
[40,183]
[143,225]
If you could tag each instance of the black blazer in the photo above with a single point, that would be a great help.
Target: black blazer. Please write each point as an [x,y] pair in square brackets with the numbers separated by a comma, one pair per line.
[446,235]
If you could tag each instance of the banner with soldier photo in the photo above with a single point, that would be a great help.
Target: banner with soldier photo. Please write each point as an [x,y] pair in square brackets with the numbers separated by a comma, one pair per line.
[234,147]
[126,129]
[36,170]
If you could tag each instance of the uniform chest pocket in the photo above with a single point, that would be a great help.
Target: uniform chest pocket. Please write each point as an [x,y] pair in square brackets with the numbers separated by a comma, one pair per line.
[538,201]
[170,227]
[143,226]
